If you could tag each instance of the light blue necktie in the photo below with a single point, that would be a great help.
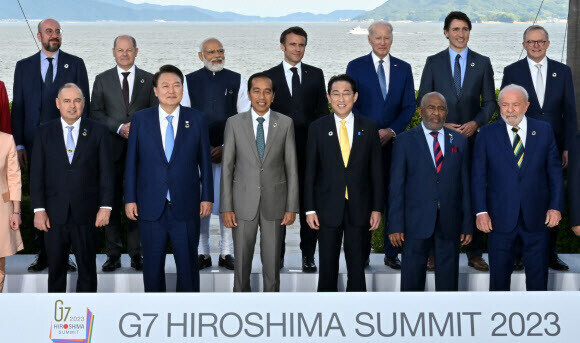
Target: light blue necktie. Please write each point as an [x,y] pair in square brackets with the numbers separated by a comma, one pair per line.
[70,144]
[382,79]
[169,141]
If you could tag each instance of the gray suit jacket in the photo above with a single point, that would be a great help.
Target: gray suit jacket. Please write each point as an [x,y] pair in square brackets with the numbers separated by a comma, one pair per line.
[248,185]
[108,107]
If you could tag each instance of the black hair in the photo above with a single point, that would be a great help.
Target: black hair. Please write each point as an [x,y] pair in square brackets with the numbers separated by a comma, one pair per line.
[168,68]
[297,30]
[259,76]
[341,77]
[456,15]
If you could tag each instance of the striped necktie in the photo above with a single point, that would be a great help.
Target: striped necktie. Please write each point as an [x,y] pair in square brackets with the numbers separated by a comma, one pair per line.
[518,146]
[437,152]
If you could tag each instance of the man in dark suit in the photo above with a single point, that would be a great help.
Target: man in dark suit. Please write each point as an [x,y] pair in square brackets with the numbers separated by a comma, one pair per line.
[71,188]
[549,84]
[301,95]
[343,191]
[517,190]
[117,94]
[429,207]
[465,79]
[387,97]
[574,185]
[168,183]
[34,99]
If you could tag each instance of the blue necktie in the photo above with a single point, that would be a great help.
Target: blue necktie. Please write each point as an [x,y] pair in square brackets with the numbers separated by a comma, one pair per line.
[457,75]
[70,144]
[169,141]
[382,79]
[260,142]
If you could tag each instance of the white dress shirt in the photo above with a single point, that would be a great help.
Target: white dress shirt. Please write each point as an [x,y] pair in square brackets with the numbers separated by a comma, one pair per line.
[266,123]
[386,66]
[242,105]
[75,133]
[163,123]
[130,80]
[288,73]
[430,141]
[534,74]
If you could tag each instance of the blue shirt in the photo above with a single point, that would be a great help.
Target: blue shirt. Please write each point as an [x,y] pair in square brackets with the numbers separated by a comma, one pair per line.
[462,62]
[430,141]
[44,65]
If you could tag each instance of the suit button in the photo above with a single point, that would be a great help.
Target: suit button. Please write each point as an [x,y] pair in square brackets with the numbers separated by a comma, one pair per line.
[435,200]
[438,182]
[262,169]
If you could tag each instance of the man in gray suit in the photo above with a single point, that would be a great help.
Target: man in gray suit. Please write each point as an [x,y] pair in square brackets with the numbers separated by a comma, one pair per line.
[117,94]
[259,183]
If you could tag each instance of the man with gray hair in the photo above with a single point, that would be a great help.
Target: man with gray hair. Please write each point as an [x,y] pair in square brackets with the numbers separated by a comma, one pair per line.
[391,105]
[517,190]
[218,93]
[429,199]
[117,94]
[549,84]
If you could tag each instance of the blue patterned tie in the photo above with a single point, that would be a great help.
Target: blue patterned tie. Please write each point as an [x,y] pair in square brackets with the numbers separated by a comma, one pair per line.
[382,79]
[260,142]
[169,141]
[70,144]
[457,75]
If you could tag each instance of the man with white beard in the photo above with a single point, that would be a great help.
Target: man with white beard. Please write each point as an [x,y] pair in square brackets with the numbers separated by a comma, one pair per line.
[218,93]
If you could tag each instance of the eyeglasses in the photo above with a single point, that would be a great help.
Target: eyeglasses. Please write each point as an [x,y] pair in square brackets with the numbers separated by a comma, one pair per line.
[341,95]
[212,51]
[50,32]
[534,42]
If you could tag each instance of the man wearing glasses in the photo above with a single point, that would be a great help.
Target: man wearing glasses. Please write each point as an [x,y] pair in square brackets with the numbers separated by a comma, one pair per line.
[37,80]
[549,84]
[218,93]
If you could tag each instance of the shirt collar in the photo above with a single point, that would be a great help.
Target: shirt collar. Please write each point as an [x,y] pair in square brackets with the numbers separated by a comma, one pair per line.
[523,125]
[44,57]
[255,115]
[453,53]
[376,58]
[532,63]
[287,66]
[76,125]
[348,118]
[120,71]
[428,132]
[163,114]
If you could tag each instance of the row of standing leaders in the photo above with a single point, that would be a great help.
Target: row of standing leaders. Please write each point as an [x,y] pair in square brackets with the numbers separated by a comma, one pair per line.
[169,150]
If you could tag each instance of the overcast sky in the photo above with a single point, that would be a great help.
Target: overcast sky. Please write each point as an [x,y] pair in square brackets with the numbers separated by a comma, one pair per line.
[272,8]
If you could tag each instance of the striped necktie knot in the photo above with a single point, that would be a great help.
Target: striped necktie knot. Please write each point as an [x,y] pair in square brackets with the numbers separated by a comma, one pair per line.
[518,147]
[437,152]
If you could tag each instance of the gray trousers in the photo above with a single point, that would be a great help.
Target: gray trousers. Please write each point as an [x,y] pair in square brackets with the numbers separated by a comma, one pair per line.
[270,244]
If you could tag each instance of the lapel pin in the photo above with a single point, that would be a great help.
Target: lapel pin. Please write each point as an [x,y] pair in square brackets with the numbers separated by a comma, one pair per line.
[85,132]
[142,80]
[231,91]
[66,66]
[533,133]
[275,124]
[359,133]
[306,71]
[473,64]
[451,138]
[554,75]
[70,151]
[187,124]
[394,65]
[330,133]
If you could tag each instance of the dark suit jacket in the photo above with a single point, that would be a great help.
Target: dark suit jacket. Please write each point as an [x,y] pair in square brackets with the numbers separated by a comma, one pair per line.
[503,190]
[397,109]
[148,174]
[83,185]
[108,106]
[326,177]
[574,182]
[27,93]
[477,99]
[559,107]
[416,189]
[314,102]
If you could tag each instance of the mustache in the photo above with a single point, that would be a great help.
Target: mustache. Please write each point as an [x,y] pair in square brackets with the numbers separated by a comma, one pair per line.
[217,59]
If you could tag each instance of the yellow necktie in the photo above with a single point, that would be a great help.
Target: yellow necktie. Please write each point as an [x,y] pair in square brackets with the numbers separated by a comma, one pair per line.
[344,147]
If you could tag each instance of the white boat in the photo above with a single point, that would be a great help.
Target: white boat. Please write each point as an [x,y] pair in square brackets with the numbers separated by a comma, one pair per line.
[358,31]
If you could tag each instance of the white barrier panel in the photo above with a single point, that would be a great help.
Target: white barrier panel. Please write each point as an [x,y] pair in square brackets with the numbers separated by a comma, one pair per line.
[295,317]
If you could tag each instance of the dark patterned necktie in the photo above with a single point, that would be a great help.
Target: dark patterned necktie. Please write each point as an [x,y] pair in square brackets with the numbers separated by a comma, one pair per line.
[48,79]
[457,75]
[518,146]
[437,152]
[260,141]
[126,88]
[295,83]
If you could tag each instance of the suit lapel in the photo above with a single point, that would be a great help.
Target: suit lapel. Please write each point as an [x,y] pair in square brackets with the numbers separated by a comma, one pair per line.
[272,131]
[372,72]
[84,132]
[282,86]
[528,83]
[446,61]
[180,133]
[137,85]
[156,128]
[34,65]
[394,75]
[62,67]
[58,137]
[549,80]
[424,146]
[502,136]
[530,145]
[448,147]
[469,70]
[248,128]
[355,139]
[115,84]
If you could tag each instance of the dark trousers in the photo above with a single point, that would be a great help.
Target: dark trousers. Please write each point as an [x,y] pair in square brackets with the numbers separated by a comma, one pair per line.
[390,250]
[476,246]
[502,251]
[184,237]
[114,245]
[84,240]
[415,254]
[330,241]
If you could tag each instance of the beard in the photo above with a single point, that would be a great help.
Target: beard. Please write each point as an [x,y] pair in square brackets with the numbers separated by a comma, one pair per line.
[214,67]
[51,47]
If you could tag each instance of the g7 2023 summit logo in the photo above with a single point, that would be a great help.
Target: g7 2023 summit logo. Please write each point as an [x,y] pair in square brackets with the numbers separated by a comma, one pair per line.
[69,327]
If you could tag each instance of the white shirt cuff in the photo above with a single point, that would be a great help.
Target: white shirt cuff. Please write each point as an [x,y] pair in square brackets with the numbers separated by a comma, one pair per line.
[310,212]
[39,210]
[107,207]
[119,129]
[480,213]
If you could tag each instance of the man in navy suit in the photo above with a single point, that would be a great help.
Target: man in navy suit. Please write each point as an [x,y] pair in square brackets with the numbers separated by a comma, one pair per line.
[465,79]
[549,84]
[37,80]
[429,205]
[387,97]
[517,190]
[574,185]
[168,159]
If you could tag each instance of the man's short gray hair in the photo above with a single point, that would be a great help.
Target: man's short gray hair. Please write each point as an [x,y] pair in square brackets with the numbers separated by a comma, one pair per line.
[125,37]
[71,85]
[513,87]
[380,23]
[428,95]
[536,27]
[207,40]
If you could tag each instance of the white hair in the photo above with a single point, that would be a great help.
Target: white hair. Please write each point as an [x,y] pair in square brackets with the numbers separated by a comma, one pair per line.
[207,40]
[513,87]
[428,95]
[380,23]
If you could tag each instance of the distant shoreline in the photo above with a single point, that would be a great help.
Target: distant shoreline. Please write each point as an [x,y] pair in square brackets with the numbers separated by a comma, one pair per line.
[346,22]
